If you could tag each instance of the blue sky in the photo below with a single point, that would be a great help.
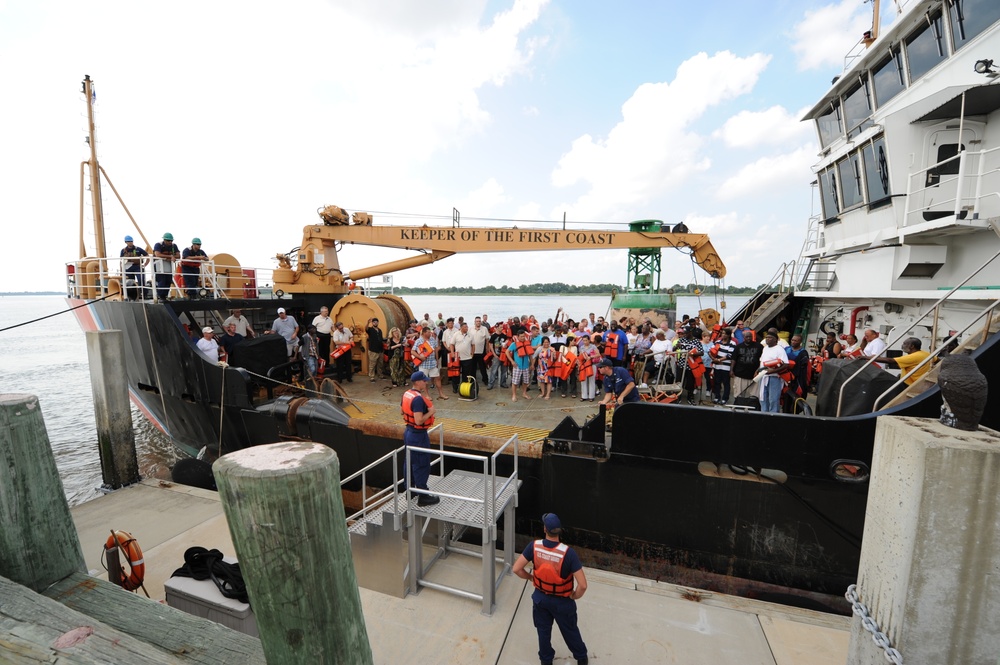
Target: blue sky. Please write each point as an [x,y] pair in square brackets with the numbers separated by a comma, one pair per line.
[235,121]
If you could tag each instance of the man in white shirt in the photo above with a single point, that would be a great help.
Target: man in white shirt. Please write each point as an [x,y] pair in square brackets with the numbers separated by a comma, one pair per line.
[874,346]
[242,325]
[480,338]
[773,361]
[344,362]
[463,343]
[324,331]
[208,348]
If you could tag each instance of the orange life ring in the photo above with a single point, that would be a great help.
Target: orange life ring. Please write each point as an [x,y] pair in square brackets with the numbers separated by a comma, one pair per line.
[137,566]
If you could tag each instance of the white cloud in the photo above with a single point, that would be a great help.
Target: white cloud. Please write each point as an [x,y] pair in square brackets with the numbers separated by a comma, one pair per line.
[748,129]
[530,111]
[824,36]
[653,148]
[768,174]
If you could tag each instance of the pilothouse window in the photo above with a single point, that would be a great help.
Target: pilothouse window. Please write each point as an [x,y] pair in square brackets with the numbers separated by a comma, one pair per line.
[828,193]
[925,47]
[888,78]
[850,181]
[858,109]
[829,125]
[970,17]
[876,171]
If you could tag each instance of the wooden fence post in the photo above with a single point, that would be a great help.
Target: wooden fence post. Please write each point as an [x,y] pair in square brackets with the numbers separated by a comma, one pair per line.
[286,517]
[38,541]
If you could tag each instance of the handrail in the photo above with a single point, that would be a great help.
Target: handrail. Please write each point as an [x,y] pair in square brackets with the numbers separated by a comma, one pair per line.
[958,179]
[916,321]
[511,478]
[930,357]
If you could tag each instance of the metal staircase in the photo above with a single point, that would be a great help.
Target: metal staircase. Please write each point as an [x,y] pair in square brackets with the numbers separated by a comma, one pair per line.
[390,532]
[767,310]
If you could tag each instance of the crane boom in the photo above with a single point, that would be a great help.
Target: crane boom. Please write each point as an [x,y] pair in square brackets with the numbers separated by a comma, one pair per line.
[318,266]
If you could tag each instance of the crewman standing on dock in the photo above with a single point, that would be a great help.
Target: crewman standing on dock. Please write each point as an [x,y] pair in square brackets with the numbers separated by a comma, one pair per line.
[555,568]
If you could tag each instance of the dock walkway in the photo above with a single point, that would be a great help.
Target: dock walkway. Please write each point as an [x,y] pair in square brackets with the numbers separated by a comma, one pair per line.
[623,619]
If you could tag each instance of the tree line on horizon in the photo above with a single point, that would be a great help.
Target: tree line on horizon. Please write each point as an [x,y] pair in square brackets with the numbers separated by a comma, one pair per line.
[561,288]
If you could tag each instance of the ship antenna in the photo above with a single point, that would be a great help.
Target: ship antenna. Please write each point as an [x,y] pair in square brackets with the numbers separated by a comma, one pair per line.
[95,176]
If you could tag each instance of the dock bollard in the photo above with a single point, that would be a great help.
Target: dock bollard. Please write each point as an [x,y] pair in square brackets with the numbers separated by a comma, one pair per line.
[115,436]
[286,517]
[38,541]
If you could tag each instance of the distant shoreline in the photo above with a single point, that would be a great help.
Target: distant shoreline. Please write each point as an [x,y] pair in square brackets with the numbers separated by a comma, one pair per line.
[31,293]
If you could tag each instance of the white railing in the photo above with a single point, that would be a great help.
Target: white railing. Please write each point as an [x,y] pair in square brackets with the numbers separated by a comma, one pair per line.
[974,168]
[92,278]
[916,321]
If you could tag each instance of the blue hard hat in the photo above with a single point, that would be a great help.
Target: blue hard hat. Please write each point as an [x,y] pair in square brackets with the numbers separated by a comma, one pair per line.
[128,238]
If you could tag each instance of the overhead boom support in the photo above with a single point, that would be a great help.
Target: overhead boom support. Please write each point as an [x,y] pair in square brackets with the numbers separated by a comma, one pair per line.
[318,267]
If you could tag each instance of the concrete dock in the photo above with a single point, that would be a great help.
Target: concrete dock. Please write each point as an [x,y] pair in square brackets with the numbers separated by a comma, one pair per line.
[623,619]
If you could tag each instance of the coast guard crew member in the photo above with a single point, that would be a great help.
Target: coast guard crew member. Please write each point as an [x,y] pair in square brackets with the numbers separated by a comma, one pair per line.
[418,414]
[555,568]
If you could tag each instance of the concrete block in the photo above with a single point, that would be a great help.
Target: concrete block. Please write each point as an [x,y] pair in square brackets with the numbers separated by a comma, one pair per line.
[929,569]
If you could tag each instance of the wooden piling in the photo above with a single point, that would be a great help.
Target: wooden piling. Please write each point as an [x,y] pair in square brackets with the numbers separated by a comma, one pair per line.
[38,541]
[115,436]
[286,517]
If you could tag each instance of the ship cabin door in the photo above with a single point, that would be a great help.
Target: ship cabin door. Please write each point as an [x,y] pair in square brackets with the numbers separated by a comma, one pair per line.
[940,181]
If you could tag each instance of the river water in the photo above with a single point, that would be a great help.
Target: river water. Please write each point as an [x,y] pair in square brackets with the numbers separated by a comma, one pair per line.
[48,358]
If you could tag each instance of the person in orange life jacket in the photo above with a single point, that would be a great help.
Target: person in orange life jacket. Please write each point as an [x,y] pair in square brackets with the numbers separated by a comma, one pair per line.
[191,260]
[690,341]
[722,364]
[543,360]
[555,568]
[425,349]
[798,355]
[418,415]
[773,362]
[344,362]
[498,373]
[519,353]
[615,344]
[588,359]
[618,383]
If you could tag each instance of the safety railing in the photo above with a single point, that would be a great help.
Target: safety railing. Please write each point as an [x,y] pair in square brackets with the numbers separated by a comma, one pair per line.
[134,278]
[987,313]
[377,501]
[985,163]
[916,321]
[489,470]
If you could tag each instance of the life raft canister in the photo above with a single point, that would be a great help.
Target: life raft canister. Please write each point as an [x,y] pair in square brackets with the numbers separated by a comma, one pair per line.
[409,417]
[136,563]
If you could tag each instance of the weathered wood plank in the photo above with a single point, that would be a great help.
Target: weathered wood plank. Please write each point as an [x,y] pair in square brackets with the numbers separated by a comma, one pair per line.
[195,639]
[32,625]
[38,542]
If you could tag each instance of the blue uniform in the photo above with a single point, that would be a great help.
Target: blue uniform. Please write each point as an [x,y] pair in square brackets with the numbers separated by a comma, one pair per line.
[547,608]
[618,381]
[420,463]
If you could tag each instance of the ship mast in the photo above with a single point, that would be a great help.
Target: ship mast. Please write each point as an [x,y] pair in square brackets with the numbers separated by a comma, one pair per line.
[95,176]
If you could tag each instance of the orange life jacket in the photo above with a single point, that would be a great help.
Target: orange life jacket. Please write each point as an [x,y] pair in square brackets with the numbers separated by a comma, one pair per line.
[565,364]
[611,346]
[714,351]
[787,376]
[696,365]
[406,407]
[817,363]
[856,353]
[340,350]
[407,353]
[586,368]
[424,349]
[547,574]
[454,366]
[523,348]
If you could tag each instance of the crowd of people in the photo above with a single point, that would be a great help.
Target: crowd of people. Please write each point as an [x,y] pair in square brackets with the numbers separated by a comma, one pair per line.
[587,359]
